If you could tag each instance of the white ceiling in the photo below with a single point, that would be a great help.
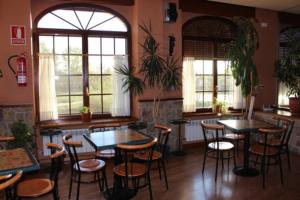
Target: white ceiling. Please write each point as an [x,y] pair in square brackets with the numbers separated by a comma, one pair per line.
[290,6]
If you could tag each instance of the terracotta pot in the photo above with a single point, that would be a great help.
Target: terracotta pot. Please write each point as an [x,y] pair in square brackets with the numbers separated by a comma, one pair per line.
[294,104]
[86,117]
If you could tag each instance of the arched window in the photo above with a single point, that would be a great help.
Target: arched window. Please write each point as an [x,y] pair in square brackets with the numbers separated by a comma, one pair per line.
[207,75]
[78,49]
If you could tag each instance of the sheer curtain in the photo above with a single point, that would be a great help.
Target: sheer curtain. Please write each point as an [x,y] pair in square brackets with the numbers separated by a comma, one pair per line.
[189,85]
[120,99]
[283,99]
[239,101]
[47,93]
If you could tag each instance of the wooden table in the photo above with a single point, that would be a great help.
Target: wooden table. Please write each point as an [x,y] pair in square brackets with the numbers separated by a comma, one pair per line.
[179,122]
[109,139]
[13,160]
[245,127]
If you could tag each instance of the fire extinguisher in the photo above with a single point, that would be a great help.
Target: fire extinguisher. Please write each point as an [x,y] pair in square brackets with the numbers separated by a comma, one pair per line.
[21,74]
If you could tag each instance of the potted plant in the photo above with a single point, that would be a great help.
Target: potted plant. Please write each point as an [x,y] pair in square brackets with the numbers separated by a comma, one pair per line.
[159,73]
[219,106]
[86,114]
[287,70]
[240,52]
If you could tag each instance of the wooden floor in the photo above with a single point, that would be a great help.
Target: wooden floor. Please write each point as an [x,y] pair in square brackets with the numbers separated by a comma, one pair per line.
[186,182]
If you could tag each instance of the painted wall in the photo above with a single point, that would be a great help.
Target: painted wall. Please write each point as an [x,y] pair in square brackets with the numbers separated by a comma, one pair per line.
[14,12]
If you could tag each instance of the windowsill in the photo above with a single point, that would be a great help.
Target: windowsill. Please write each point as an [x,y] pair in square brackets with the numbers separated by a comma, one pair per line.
[203,115]
[67,124]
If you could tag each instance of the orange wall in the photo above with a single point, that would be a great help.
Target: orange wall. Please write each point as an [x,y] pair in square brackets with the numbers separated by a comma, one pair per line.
[14,12]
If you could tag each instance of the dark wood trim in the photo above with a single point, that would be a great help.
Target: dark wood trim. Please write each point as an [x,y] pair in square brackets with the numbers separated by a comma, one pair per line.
[164,99]
[289,18]
[16,106]
[197,38]
[215,8]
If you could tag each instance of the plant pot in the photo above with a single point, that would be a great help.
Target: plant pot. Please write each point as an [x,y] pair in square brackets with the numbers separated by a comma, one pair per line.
[294,104]
[86,117]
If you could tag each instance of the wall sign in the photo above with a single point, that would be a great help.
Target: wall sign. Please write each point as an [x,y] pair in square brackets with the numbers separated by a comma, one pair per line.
[17,35]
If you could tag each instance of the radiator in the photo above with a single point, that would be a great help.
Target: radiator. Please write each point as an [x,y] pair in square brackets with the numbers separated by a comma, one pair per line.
[193,130]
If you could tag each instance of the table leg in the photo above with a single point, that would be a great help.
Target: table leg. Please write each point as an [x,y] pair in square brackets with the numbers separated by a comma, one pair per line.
[179,151]
[245,170]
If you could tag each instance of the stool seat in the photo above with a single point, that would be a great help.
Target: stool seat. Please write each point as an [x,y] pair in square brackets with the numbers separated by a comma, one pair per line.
[34,187]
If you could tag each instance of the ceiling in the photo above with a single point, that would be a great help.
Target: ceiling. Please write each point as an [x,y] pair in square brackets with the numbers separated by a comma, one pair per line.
[290,6]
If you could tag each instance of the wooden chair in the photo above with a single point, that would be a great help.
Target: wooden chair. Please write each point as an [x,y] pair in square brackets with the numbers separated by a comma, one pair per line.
[217,146]
[129,172]
[160,150]
[5,139]
[78,167]
[284,138]
[107,153]
[38,187]
[265,151]
[8,182]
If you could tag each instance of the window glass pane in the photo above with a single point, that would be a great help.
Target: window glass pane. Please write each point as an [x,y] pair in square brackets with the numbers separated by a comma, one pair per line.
[84,17]
[223,67]
[198,66]
[69,16]
[98,18]
[199,100]
[61,65]
[61,44]
[76,104]
[208,97]
[107,64]
[114,24]
[95,84]
[63,105]
[94,65]
[107,103]
[221,83]
[221,96]
[76,85]
[46,44]
[229,82]
[208,83]
[75,45]
[107,45]
[94,45]
[75,64]
[61,85]
[51,21]
[120,46]
[107,84]
[208,67]
[199,83]
[95,103]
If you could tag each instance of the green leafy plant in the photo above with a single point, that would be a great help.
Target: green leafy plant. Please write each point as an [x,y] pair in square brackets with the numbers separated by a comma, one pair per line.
[24,136]
[85,109]
[240,52]
[219,106]
[287,69]
[159,73]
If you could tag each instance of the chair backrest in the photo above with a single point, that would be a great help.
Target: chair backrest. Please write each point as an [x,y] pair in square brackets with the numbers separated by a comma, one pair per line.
[125,152]
[162,138]
[285,123]
[216,130]
[56,160]
[269,134]
[71,149]
[103,127]
[11,181]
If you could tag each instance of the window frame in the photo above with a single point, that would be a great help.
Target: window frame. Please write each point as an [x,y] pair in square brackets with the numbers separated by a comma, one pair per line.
[84,34]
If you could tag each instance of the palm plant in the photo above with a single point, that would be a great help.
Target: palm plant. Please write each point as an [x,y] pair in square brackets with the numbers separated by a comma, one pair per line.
[161,74]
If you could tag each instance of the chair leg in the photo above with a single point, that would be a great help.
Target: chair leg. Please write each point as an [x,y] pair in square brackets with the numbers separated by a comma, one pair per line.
[71,182]
[237,148]
[159,170]
[216,172]
[99,182]
[234,159]
[149,185]
[105,180]
[78,186]
[288,158]
[204,159]
[165,174]
[263,170]
[280,168]
[228,158]
[222,159]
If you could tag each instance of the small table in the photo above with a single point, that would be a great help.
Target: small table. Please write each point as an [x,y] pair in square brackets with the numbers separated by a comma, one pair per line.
[245,127]
[179,122]
[13,160]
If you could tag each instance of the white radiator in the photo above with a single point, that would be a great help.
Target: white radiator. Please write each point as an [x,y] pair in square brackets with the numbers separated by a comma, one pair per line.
[193,130]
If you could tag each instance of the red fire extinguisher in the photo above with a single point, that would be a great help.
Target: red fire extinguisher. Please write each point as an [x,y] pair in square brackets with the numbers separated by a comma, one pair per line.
[21,74]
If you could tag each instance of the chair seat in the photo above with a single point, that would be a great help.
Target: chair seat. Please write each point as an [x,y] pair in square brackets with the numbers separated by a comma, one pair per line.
[107,153]
[234,136]
[223,146]
[134,170]
[34,187]
[90,165]
[258,149]
[4,177]
[145,156]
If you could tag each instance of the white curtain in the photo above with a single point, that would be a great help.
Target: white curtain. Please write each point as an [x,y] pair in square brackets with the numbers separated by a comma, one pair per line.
[189,85]
[283,99]
[120,99]
[239,101]
[47,93]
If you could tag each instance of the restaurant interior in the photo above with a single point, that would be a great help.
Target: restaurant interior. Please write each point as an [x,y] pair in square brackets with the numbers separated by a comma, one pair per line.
[140,99]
